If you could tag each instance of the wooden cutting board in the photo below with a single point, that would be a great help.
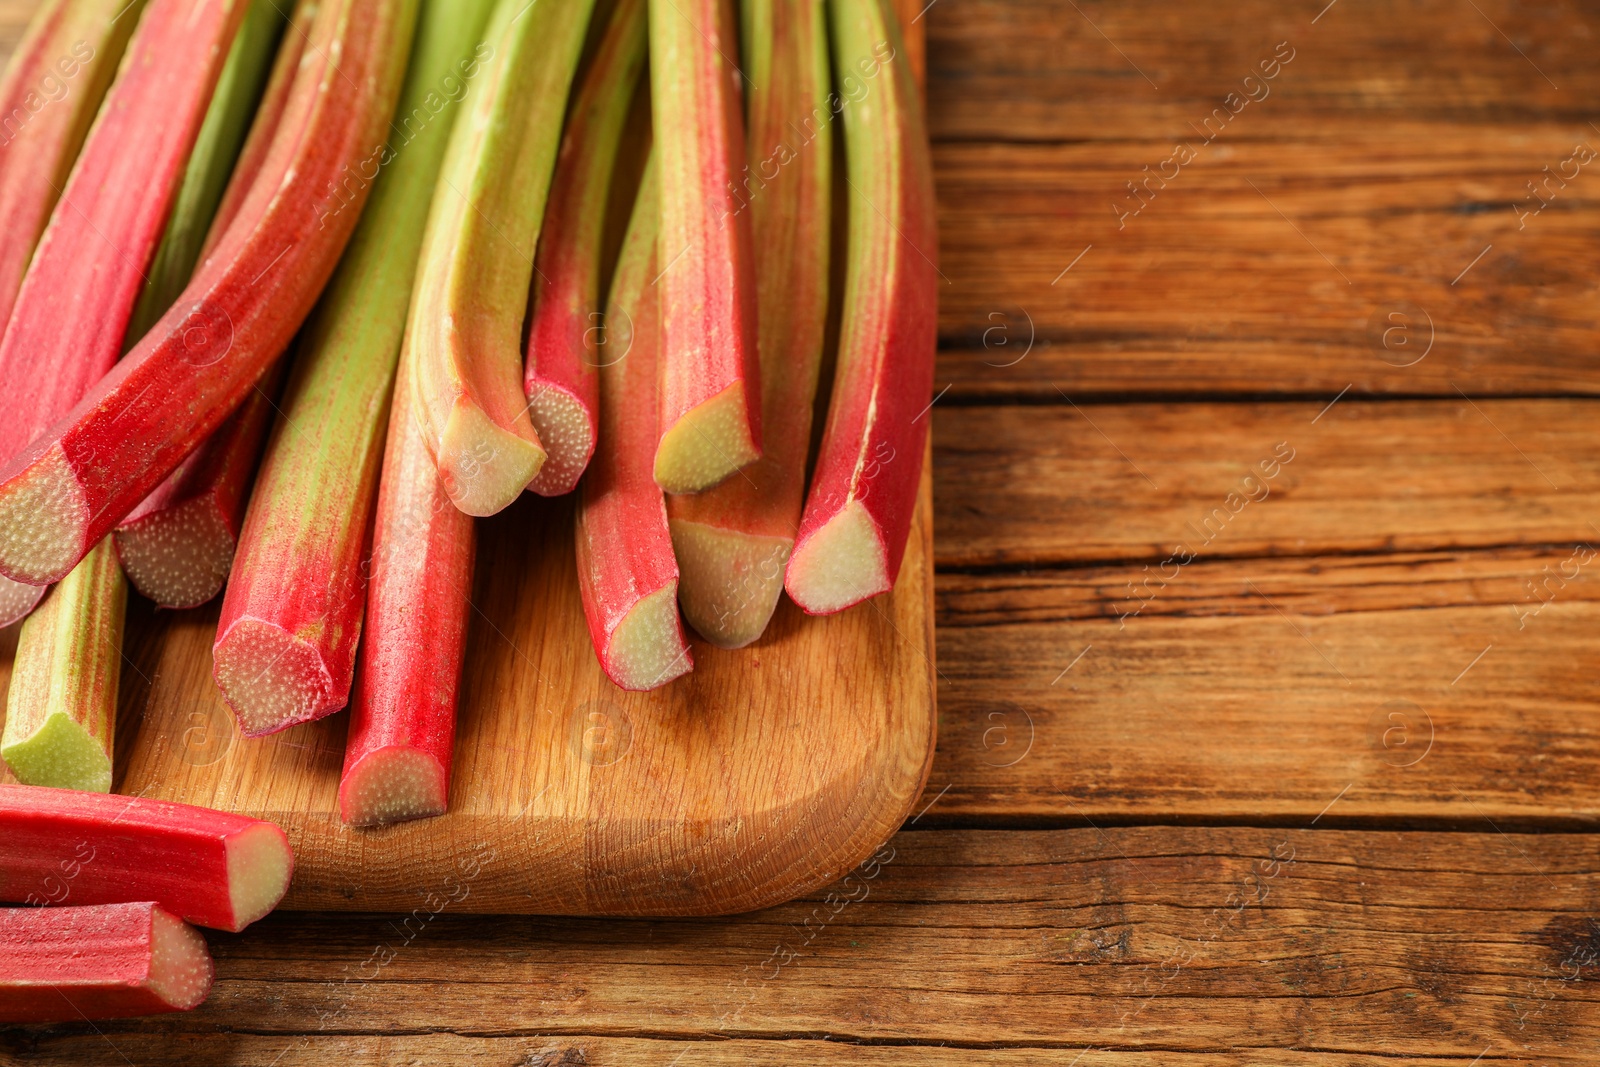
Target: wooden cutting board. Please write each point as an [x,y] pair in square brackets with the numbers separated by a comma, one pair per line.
[765,773]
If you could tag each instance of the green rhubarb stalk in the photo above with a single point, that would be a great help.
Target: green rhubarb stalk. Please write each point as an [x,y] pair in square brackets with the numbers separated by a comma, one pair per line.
[710,392]
[222,134]
[733,541]
[291,619]
[477,259]
[62,703]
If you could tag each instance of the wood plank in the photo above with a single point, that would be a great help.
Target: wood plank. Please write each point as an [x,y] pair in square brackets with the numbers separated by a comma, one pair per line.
[1045,70]
[1038,486]
[1286,945]
[1440,688]
[1301,262]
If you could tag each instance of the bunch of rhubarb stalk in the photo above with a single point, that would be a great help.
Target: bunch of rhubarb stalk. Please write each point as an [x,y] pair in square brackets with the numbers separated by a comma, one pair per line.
[293,293]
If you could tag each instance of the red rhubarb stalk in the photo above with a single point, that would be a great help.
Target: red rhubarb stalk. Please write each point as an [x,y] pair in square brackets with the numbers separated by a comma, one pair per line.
[52,89]
[291,620]
[264,127]
[403,716]
[560,381]
[73,305]
[710,388]
[199,363]
[732,541]
[472,287]
[177,545]
[858,514]
[627,576]
[102,961]
[211,868]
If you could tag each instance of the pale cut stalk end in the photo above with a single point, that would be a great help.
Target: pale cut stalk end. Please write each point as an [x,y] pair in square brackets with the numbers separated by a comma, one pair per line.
[270,678]
[841,564]
[393,784]
[178,557]
[260,865]
[62,702]
[483,466]
[565,426]
[43,521]
[17,599]
[181,970]
[647,649]
[60,753]
[707,444]
[728,580]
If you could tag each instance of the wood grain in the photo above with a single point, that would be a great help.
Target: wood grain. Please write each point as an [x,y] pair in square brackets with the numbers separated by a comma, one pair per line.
[1066,485]
[1292,946]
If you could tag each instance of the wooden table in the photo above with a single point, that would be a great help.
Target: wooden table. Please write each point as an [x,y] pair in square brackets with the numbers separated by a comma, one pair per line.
[1265,505]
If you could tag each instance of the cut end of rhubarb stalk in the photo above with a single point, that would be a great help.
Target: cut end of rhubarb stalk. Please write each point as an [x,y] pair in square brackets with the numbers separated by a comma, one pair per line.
[393,784]
[181,970]
[483,466]
[566,430]
[43,521]
[711,441]
[729,580]
[60,753]
[840,564]
[647,649]
[270,678]
[179,557]
[260,864]
[102,961]
[18,599]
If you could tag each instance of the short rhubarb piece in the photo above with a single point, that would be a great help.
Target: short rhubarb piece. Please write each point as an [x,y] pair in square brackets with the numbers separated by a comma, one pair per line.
[81,477]
[710,393]
[211,868]
[403,715]
[858,513]
[627,576]
[99,961]
[733,541]
[291,621]
[563,326]
[471,292]
[62,702]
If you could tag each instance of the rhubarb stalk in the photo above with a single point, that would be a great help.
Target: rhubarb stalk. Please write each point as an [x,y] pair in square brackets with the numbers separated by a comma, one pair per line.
[858,514]
[211,868]
[176,546]
[200,361]
[710,388]
[403,716]
[472,287]
[291,620]
[72,307]
[732,541]
[560,379]
[103,961]
[61,706]
[52,89]
[627,576]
